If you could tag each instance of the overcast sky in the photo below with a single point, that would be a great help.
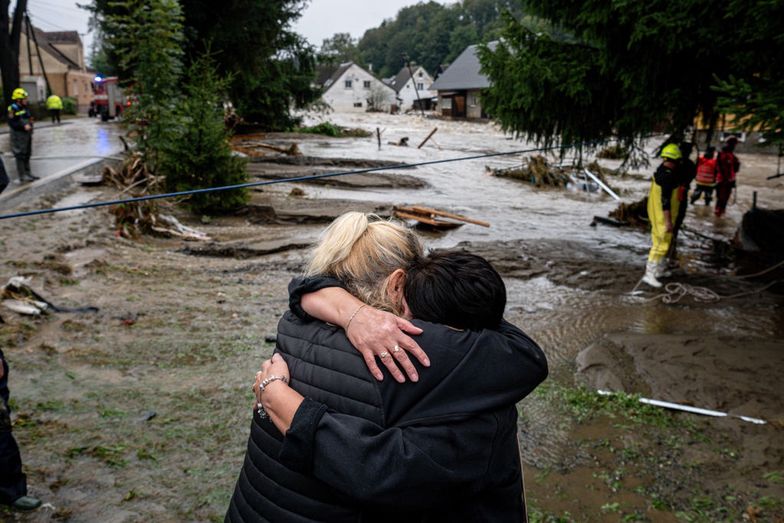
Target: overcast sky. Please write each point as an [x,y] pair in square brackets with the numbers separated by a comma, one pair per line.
[320,20]
[324,18]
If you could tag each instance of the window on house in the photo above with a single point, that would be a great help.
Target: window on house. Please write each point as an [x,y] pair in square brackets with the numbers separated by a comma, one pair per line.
[357,104]
[366,84]
[421,74]
[421,86]
[348,84]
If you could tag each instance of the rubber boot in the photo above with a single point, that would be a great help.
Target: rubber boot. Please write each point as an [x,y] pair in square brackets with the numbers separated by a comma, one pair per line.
[650,275]
[663,269]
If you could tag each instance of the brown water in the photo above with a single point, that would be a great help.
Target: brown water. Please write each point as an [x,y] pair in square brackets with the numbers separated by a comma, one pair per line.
[563,319]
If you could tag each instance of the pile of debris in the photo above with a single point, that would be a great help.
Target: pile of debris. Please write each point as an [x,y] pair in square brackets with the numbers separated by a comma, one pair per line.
[613,152]
[258,146]
[131,220]
[537,171]
[634,214]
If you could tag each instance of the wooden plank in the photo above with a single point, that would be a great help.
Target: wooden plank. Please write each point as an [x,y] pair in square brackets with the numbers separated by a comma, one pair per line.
[417,217]
[437,212]
[424,221]
[428,137]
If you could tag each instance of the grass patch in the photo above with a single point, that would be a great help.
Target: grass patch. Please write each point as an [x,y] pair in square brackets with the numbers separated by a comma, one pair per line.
[584,404]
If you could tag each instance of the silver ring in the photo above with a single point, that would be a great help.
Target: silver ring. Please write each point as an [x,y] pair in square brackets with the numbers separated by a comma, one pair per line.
[383,355]
[396,348]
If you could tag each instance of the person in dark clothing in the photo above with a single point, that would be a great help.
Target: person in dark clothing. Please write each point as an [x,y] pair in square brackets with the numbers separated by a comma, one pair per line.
[4,180]
[13,482]
[727,167]
[687,171]
[706,176]
[443,448]
[20,120]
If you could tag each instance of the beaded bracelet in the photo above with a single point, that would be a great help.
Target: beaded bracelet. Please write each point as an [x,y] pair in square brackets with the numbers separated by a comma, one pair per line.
[263,385]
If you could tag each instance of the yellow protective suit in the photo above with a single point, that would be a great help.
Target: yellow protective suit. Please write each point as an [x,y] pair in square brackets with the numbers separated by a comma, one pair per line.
[659,235]
[54,103]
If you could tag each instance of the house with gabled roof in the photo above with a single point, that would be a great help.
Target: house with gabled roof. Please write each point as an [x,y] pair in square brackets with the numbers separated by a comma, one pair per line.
[62,54]
[460,86]
[412,85]
[350,88]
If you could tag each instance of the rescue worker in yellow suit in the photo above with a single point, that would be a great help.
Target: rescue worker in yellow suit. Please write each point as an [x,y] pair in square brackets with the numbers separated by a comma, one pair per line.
[663,205]
[55,106]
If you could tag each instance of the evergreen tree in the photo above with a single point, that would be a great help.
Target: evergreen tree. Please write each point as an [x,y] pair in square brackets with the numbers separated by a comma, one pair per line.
[147,34]
[271,67]
[621,69]
[198,154]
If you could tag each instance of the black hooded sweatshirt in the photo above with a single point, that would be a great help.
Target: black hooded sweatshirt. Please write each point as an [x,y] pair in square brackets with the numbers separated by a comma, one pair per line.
[442,449]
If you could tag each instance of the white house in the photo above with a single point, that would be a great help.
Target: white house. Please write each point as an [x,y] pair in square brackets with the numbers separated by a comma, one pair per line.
[413,91]
[350,88]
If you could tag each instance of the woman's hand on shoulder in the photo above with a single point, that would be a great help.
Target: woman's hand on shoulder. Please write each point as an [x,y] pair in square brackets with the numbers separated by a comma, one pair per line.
[376,333]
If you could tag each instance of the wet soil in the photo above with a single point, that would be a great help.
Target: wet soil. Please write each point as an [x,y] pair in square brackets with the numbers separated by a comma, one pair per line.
[139,412]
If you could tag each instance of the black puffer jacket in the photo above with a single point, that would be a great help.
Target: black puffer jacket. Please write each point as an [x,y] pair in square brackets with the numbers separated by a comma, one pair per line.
[452,453]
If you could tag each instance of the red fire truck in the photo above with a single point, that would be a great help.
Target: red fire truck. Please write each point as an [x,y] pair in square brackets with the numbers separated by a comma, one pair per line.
[108,100]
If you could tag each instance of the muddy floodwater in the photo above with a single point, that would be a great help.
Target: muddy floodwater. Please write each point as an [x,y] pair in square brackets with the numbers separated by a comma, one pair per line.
[140,412]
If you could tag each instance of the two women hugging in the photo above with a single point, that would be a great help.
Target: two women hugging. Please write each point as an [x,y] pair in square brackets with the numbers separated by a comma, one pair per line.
[338,437]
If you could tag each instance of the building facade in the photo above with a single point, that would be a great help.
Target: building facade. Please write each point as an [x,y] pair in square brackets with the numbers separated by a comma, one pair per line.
[62,55]
[413,90]
[350,88]
[460,87]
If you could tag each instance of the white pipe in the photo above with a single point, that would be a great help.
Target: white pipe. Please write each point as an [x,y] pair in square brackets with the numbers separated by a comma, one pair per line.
[602,184]
[687,408]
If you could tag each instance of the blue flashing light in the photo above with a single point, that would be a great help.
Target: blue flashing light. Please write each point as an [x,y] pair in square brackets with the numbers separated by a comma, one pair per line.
[98,78]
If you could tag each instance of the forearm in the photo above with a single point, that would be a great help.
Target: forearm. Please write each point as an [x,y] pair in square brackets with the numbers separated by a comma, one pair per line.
[281,403]
[333,305]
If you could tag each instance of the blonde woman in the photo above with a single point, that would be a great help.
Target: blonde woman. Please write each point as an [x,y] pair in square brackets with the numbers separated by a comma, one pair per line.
[332,443]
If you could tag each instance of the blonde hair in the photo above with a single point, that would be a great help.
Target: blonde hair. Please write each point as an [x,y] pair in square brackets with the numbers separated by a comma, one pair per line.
[362,251]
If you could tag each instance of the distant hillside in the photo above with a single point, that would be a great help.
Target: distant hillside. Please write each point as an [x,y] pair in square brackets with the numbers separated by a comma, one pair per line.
[430,34]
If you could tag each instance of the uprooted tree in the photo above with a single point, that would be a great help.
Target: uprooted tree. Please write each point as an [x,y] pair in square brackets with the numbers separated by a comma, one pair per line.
[591,71]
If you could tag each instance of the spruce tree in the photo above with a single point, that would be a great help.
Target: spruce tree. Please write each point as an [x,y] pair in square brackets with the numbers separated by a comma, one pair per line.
[594,70]
[197,154]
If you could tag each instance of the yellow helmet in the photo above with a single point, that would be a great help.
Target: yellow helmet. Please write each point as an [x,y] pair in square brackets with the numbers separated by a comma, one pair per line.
[671,152]
[18,94]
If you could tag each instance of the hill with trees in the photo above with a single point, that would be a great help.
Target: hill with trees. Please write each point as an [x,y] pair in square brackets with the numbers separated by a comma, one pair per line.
[430,34]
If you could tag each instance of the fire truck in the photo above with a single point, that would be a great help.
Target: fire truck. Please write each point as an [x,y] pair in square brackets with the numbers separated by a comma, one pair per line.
[108,99]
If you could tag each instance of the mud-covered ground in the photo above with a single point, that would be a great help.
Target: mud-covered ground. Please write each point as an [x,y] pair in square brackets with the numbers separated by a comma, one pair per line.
[139,412]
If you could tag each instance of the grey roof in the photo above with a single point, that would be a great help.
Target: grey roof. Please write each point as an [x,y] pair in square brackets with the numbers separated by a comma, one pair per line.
[464,73]
[404,75]
[63,37]
[330,74]
[42,37]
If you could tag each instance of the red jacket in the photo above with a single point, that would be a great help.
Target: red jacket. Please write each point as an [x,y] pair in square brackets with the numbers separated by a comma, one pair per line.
[706,171]
[728,166]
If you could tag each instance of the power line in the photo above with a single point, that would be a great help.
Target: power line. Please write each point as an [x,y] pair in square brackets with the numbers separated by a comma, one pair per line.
[268,182]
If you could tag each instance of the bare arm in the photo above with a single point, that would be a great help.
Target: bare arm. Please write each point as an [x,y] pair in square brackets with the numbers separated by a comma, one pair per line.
[371,331]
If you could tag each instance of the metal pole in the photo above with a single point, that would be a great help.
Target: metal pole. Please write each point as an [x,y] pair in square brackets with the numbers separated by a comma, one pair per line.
[40,58]
[29,53]
[416,90]
[602,184]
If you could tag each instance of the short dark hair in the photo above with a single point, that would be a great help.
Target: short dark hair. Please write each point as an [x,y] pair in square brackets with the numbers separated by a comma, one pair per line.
[456,288]
[709,152]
